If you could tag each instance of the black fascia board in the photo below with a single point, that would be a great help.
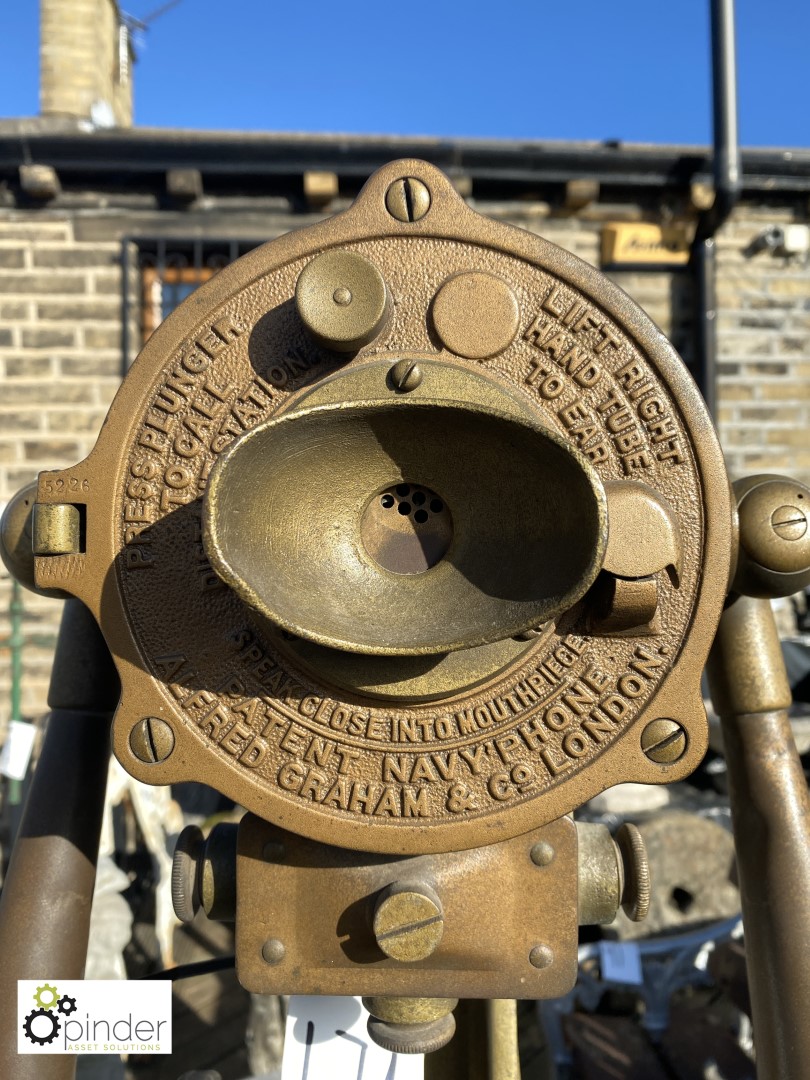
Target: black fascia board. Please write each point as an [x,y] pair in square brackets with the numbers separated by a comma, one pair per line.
[138,159]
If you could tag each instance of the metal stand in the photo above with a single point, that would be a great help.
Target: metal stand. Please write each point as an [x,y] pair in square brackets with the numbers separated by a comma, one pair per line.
[771,813]
[48,892]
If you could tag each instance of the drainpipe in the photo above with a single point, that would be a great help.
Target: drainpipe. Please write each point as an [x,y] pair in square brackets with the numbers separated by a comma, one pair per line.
[727,186]
[16,642]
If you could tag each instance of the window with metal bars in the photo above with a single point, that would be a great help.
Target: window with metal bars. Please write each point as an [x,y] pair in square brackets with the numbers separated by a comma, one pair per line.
[165,272]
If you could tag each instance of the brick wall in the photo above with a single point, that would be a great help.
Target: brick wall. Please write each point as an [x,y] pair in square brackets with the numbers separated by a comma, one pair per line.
[60,344]
[764,351]
[60,313]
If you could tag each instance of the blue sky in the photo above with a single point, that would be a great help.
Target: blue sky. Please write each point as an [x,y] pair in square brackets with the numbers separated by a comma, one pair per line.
[635,70]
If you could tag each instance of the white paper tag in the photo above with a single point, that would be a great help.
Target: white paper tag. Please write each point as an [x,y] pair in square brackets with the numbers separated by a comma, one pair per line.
[17,749]
[326,1039]
[620,962]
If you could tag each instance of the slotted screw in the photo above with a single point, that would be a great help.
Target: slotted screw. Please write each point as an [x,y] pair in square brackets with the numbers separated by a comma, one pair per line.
[663,741]
[789,522]
[405,376]
[151,740]
[407,199]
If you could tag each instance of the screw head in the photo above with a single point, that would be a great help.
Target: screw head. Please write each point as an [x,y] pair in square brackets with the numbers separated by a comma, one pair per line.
[663,741]
[789,522]
[408,923]
[151,740]
[273,951]
[407,199]
[405,376]
[541,956]
[542,853]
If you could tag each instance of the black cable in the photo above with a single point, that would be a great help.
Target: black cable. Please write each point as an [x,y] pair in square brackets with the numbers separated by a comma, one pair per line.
[189,971]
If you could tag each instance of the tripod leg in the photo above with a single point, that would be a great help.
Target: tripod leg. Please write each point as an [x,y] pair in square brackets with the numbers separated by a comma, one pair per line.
[48,891]
[771,814]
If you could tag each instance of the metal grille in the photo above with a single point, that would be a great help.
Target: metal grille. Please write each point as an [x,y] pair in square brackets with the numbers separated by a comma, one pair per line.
[160,273]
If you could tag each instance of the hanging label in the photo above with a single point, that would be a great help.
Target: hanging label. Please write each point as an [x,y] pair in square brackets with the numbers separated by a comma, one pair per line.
[326,1039]
[620,962]
[17,749]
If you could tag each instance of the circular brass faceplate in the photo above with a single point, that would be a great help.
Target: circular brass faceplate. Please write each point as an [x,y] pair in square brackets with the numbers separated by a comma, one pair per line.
[547,728]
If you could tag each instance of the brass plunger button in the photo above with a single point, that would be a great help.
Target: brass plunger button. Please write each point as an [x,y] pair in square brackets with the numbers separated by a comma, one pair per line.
[342,300]
[475,315]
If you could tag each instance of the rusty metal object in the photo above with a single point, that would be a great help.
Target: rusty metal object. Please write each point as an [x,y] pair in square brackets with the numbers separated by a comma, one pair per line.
[396,753]
[769,797]
[496,906]
[48,890]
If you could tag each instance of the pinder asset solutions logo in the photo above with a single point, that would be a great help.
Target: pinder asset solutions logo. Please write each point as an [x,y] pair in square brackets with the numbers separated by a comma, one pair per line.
[102,1016]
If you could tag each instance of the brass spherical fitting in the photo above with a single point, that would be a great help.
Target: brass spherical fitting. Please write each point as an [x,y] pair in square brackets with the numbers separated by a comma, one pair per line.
[342,300]
[17,540]
[774,526]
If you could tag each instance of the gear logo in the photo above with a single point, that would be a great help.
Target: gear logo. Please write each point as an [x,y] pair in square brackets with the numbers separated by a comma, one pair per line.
[42,1024]
[92,1016]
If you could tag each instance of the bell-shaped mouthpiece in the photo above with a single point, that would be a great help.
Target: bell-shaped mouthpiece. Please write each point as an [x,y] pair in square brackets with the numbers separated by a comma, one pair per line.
[405,528]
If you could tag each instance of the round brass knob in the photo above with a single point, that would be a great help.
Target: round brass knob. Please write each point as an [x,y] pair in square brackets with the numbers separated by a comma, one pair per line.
[342,300]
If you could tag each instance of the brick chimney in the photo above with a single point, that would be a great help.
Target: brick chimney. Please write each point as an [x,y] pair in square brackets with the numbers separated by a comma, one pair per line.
[85,62]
